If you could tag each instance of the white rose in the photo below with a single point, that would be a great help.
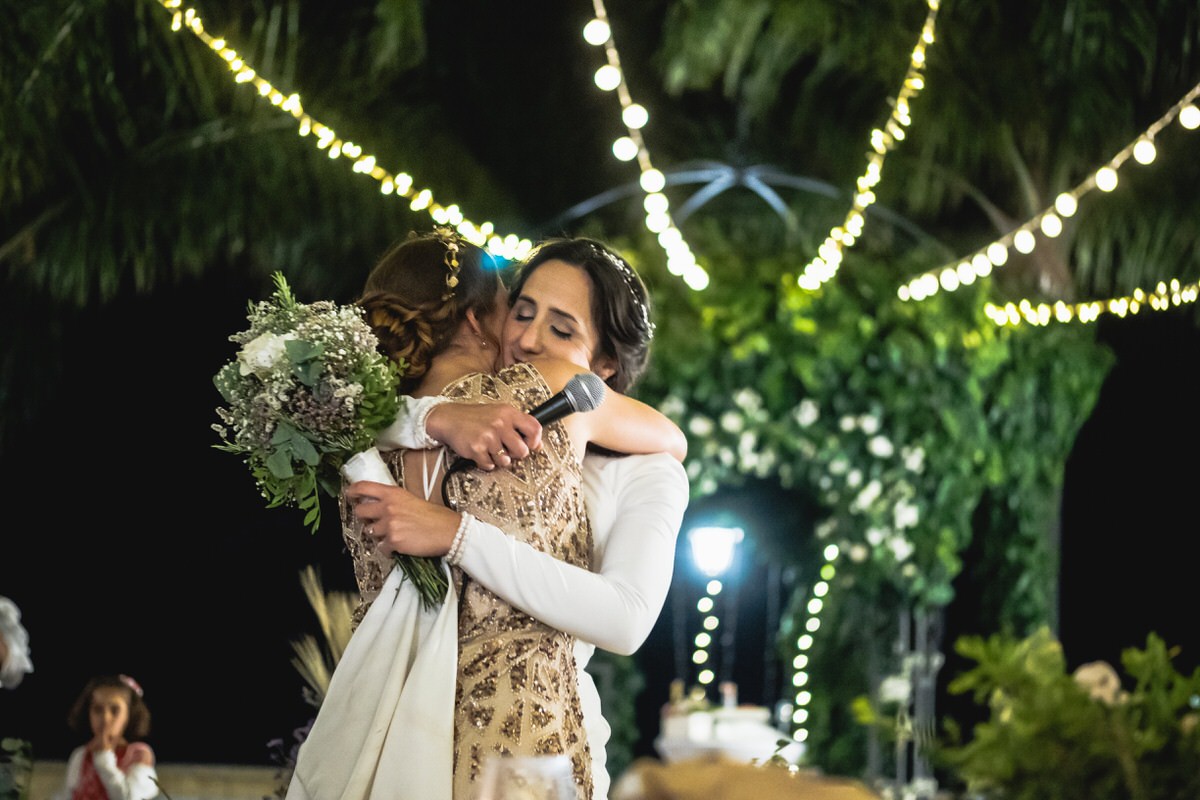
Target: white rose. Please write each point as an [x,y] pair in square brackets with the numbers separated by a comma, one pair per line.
[868,423]
[914,459]
[748,399]
[854,478]
[880,447]
[260,355]
[731,421]
[901,548]
[869,494]
[847,423]
[905,515]
[673,406]
[806,412]
[700,425]
[875,536]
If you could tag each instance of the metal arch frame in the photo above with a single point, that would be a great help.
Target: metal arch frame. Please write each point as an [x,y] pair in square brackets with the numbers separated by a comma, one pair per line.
[719,177]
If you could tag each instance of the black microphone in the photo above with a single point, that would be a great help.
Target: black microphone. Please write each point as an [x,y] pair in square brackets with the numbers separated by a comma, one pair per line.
[584,392]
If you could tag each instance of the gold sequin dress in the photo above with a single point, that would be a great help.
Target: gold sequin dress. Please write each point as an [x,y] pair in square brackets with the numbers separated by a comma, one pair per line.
[517,691]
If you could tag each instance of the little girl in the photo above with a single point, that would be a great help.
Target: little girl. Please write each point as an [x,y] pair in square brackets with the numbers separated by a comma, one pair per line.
[109,767]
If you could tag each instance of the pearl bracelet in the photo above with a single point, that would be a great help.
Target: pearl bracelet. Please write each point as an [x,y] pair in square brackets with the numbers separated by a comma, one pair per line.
[425,405]
[457,545]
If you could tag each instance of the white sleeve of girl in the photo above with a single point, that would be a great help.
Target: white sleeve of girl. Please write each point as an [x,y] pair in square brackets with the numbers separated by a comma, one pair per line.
[616,605]
[138,783]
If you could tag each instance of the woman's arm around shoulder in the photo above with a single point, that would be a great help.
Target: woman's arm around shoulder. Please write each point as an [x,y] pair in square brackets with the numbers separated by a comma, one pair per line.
[619,423]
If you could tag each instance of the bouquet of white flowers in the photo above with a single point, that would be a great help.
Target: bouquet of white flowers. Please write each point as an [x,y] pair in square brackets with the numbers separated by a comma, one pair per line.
[307,391]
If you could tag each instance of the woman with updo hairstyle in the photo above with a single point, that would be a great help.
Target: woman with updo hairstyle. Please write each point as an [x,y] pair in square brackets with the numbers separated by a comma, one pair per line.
[410,305]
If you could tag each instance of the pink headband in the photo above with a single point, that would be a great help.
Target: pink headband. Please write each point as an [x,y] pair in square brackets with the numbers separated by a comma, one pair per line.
[133,685]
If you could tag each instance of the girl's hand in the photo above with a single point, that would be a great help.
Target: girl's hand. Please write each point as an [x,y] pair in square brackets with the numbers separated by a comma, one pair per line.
[401,522]
[104,741]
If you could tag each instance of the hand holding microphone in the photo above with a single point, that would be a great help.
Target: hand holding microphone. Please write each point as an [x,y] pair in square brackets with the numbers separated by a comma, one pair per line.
[583,392]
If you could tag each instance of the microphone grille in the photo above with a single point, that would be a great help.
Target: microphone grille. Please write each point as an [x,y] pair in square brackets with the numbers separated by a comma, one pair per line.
[585,391]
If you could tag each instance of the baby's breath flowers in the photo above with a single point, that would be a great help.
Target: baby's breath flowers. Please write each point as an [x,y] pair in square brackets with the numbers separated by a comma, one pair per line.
[307,390]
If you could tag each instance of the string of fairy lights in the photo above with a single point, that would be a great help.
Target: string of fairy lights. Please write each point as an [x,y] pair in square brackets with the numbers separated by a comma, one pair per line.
[400,184]
[609,77]
[802,695]
[681,261]
[825,264]
[1049,223]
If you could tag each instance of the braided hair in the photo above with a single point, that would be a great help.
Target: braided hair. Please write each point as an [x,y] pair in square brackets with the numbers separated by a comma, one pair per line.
[419,292]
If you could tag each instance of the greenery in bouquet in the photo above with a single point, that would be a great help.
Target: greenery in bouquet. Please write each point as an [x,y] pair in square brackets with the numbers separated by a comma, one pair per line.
[1051,735]
[307,390]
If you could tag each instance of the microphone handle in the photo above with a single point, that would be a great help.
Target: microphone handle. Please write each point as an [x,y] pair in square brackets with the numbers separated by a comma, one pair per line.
[553,409]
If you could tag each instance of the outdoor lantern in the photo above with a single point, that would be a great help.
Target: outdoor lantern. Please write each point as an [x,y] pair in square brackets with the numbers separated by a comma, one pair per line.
[712,548]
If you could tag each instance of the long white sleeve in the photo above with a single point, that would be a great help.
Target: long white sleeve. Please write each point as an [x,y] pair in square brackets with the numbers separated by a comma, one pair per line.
[138,783]
[616,605]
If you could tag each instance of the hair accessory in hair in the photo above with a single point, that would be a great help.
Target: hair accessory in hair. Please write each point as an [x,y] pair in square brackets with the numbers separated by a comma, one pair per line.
[133,685]
[450,239]
[626,273]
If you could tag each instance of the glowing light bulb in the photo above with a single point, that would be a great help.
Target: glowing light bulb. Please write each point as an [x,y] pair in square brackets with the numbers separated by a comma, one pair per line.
[625,149]
[1106,179]
[608,77]
[635,116]
[653,181]
[655,203]
[1189,117]
[1144,152]
[1066,204]
[596,32]
[1051,225]
[1024,242]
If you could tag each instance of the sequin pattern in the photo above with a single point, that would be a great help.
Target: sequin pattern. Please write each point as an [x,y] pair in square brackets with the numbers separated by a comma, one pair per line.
[517,688]
[517,691]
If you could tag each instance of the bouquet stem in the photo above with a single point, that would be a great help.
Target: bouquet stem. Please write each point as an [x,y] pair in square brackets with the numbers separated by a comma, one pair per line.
[427,573]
